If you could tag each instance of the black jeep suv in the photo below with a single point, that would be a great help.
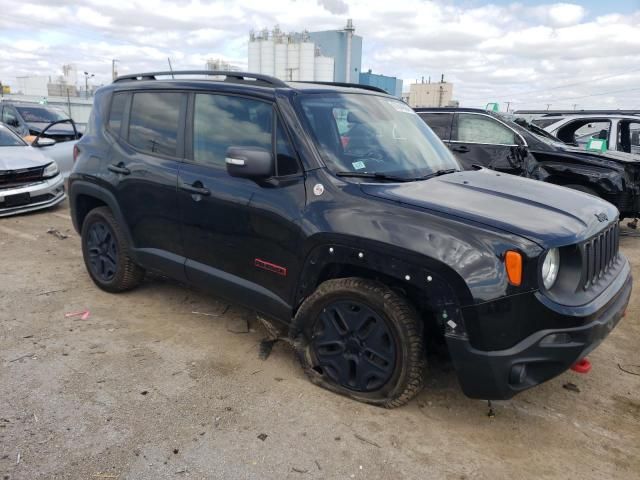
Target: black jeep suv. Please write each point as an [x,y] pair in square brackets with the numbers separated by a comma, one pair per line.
[337,214]
[513,145]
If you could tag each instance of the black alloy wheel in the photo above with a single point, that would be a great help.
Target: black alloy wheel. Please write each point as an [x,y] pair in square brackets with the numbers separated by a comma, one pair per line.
[354,346]
[103,251]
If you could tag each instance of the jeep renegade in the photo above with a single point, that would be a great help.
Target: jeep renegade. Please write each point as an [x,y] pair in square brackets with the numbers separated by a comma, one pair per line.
[336,213]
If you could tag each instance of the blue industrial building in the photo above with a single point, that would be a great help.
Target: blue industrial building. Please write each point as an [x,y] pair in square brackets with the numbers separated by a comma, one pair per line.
[345,48]
[391,85]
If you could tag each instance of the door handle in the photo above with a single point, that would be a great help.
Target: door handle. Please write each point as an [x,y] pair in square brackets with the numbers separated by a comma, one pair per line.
[196,189]
[119,168]
[460,148]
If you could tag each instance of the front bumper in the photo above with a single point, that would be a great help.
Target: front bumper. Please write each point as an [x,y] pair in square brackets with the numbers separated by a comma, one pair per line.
[42,194]
[500,374]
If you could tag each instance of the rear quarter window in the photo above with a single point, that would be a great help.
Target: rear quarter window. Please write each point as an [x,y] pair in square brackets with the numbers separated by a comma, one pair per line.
[116,112]
[440,123]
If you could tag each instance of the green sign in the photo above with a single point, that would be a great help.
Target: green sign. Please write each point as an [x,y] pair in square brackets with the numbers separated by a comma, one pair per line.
[597,145]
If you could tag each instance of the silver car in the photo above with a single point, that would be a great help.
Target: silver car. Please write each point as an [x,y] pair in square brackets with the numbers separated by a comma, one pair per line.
[29,180]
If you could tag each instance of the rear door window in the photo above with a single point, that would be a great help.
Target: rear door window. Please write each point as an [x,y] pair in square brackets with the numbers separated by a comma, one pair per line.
[440,123]
[154,122]
[471,128]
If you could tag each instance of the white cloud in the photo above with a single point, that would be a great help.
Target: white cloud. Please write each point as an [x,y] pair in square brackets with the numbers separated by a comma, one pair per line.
[491,52]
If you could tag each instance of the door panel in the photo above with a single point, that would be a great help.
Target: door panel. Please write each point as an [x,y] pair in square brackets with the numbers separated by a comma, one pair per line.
[242,238]
[478,139]
[144,169]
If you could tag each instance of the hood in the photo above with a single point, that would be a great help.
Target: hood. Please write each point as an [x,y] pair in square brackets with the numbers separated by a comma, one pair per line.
[17,158]
[546,214]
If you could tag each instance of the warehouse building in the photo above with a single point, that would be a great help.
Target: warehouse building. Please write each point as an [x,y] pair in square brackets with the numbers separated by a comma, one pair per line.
[391,85]
[430,94]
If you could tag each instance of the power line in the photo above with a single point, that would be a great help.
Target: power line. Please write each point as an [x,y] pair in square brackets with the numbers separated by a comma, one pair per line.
[596,94]
[597,79]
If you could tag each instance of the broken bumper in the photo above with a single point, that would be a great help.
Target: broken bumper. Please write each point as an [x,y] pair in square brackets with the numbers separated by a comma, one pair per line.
[499,375]
[32,196]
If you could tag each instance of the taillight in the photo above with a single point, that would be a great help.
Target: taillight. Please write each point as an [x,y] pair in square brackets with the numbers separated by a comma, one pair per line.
[76,152]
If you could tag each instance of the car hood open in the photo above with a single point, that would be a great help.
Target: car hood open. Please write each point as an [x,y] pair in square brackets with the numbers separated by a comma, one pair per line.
[19,157]
[546,214]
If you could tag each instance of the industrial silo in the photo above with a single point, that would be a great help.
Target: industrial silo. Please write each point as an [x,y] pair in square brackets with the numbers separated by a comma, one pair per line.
[254,55]
[323,69]
[307,60]
[267,61]
[281,59]
[293,60]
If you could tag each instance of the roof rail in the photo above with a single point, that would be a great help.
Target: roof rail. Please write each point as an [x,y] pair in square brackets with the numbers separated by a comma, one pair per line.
[214,73]
[347,85]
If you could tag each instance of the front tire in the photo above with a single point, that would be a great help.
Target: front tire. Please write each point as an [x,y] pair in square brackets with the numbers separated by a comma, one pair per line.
[106,253]
[363,340]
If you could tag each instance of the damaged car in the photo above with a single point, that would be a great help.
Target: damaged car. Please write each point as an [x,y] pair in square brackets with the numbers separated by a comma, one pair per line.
[620,132]
[336,214]
[492,140]
[29,180]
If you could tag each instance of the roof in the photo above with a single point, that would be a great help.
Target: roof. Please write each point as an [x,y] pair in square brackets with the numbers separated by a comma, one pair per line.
[452,110]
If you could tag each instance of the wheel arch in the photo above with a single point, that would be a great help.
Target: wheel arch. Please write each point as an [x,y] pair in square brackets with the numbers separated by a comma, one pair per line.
[85,196]
[434,288]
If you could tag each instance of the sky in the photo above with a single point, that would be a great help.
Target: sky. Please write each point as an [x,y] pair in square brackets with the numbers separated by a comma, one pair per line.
[532,54]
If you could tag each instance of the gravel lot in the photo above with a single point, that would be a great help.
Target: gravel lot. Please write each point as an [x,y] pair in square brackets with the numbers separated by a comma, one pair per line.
[146,389]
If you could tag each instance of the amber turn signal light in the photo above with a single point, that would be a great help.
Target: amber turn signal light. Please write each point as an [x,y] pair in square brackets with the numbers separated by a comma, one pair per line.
[513,263]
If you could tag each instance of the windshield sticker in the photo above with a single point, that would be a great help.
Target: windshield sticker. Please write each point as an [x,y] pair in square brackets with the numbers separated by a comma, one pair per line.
[400,107]
[358,165]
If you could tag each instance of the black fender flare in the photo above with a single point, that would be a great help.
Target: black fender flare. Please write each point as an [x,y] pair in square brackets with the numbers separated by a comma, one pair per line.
[446,290]
[80,187]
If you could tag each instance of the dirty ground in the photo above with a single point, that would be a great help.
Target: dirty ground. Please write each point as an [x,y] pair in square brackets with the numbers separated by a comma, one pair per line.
[138,386]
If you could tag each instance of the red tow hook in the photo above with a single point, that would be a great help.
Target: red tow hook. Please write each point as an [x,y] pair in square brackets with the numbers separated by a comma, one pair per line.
[582,366]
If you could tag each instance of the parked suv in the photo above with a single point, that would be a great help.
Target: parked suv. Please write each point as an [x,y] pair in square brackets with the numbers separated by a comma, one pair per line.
[479,137]
[336,214]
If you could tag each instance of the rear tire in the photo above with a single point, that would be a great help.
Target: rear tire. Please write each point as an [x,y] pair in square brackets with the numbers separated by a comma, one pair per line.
[363,340]
[106,253]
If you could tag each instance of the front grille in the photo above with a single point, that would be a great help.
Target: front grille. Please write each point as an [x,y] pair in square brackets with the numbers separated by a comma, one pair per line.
[599,253]
[14,178]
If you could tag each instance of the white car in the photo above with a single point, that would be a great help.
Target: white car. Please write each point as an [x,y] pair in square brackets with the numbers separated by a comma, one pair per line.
[622,132]
[29,180]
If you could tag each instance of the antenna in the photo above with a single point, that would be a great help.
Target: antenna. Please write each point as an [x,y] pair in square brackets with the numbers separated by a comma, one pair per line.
[170,69]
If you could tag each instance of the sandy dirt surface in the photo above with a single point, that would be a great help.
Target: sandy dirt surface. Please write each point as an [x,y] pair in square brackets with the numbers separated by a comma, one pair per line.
[146,389]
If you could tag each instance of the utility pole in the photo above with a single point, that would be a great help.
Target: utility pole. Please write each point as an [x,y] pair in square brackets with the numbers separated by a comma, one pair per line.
[508,103]
[575,105]
[87,76]
[114,72]
[548,105]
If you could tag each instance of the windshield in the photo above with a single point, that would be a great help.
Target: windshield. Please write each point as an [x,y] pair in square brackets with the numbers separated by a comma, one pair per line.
[364,134]
[10,139]
[40,114]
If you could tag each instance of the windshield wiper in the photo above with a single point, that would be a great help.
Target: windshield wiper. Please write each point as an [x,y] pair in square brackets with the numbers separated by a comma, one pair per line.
[437,173]
[376,175]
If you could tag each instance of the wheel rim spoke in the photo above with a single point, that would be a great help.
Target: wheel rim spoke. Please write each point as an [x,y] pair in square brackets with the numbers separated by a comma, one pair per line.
[101,248]
[353,346]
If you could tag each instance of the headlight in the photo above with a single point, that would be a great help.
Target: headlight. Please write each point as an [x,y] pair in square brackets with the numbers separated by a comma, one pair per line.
[51,170]
[550,268]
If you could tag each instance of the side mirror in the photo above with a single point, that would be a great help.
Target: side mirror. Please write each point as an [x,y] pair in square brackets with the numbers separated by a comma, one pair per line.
[249,162]
[43,142]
